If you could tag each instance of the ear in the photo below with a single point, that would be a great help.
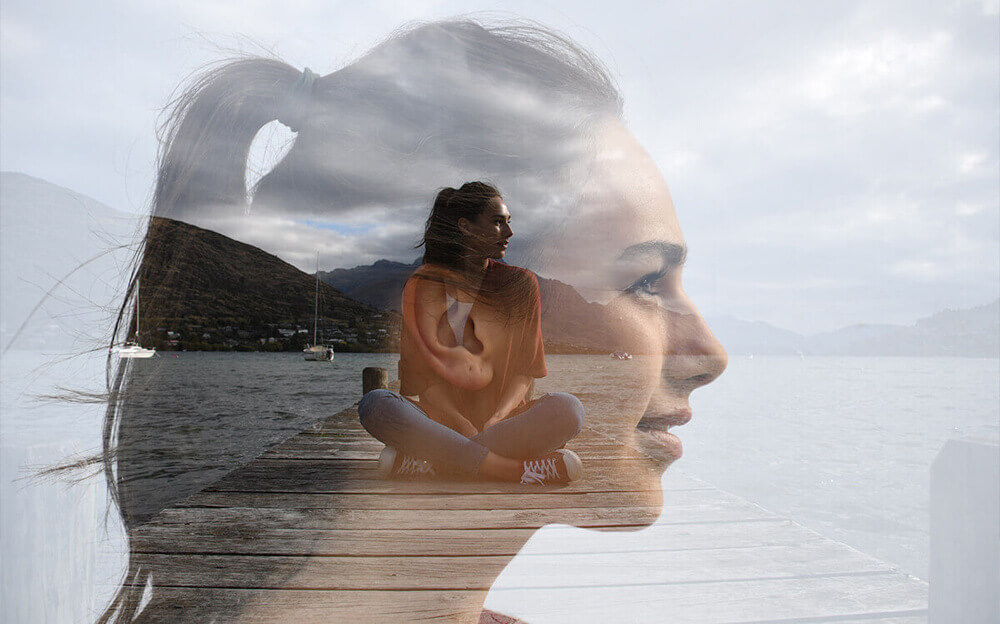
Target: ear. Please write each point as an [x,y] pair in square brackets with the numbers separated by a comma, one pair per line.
[423,309]
[465,226]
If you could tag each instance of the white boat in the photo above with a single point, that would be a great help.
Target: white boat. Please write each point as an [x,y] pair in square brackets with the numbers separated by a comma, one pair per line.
[621,355]
[317,352]
[132,349]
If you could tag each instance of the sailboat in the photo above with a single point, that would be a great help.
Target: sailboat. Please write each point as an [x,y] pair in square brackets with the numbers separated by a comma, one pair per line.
[132,348]
[317,352]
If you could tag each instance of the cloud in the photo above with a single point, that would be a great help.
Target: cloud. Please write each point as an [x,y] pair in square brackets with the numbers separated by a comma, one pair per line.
[845,144]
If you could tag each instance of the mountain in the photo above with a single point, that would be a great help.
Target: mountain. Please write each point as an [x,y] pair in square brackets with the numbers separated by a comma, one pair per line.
[974,332]
[755,337]
[61,255]
[379,285]
[571,324]
[66,260]
[196,281]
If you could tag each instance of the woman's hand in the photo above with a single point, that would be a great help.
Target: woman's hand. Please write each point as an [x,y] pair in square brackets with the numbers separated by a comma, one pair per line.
[463,426]
[494,419]
[513,394]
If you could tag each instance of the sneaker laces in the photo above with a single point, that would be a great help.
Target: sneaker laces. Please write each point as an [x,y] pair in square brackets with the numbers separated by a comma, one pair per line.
[538,470]
[413,466]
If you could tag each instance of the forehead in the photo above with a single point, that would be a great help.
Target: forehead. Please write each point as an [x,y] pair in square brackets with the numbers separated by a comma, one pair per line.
[627,189]
[625,202]
[494,208]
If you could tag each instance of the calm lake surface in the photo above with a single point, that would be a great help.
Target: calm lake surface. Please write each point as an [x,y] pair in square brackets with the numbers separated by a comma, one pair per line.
[840,445]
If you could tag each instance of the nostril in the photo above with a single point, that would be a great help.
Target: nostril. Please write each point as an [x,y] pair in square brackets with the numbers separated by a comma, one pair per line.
[700,380]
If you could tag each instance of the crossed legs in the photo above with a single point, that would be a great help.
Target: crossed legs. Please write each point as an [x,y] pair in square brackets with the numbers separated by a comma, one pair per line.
[496,452]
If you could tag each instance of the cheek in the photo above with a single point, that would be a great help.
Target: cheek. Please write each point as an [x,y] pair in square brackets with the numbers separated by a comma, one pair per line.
[640,331]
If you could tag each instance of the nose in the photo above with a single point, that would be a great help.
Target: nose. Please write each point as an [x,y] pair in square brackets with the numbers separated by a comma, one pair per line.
[694,356]
[507,232]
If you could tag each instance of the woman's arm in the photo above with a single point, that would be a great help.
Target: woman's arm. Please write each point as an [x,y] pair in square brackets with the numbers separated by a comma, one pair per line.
[424,311]
[513,394]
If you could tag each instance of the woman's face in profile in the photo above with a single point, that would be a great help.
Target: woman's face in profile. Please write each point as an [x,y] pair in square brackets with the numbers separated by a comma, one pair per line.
[490,230]
[625,244]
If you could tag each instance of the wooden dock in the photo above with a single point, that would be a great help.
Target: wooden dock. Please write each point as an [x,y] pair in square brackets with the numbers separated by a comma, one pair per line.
[307,533]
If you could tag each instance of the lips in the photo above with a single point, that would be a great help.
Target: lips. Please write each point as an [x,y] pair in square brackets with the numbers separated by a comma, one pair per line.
[656,428]
[670,443]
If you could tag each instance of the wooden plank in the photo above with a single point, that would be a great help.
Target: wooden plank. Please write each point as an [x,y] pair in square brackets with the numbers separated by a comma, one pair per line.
[364,450]
[311,514]
[551,572]
[240,538]
[907,616]
[816,598]
[696,604]
[274,475]
[251,606]
[526,500]
[432,519]
[585,439]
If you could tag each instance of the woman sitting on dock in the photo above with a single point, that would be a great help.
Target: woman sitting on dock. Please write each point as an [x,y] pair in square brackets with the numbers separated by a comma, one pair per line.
[471,347]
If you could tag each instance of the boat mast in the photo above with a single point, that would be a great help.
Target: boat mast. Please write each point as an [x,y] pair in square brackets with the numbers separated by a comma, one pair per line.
[316,306]
[137,310]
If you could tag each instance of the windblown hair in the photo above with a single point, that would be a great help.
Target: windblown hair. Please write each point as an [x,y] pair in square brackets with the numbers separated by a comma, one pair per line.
[443,240]
[445,245]
[511,103]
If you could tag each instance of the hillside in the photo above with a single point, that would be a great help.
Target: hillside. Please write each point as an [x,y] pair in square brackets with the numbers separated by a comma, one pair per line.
[196,282]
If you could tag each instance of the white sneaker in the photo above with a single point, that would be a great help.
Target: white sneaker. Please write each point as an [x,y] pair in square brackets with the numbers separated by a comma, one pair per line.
[560,466]
[392,463]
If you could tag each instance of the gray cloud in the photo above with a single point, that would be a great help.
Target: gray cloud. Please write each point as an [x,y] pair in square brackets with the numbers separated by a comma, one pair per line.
[830,164]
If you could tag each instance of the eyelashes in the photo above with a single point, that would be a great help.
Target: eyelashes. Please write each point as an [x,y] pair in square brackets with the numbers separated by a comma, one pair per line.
[644,285]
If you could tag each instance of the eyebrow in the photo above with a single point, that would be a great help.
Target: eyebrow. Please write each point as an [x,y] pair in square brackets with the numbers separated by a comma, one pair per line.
[673,255]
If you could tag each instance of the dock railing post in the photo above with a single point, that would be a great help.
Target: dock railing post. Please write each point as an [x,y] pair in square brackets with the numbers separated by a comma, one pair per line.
[964,573]
[373,378]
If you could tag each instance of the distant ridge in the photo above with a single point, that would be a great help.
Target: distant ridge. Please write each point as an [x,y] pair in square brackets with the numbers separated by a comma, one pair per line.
[379,285]
[572,324]
[62,252]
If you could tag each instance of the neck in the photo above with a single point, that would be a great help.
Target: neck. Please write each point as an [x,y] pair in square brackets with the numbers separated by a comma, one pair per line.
[475,265]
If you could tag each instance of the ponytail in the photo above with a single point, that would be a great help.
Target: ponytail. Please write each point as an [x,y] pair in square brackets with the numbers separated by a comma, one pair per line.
[206,138]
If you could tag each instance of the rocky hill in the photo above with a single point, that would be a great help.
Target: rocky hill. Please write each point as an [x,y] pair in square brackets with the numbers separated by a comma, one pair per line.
[198,281]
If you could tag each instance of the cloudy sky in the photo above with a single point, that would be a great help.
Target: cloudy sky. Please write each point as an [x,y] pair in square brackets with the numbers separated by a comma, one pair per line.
[831,163]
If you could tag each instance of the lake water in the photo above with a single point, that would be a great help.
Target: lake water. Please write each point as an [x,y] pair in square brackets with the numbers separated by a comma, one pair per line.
[840,445]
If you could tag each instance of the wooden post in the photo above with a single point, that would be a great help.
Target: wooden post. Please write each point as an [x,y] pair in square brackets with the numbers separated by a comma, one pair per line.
[965,542]
[373,378]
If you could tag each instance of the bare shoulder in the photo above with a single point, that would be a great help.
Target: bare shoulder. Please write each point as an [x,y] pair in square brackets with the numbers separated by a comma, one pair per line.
[424,291]
[515,275]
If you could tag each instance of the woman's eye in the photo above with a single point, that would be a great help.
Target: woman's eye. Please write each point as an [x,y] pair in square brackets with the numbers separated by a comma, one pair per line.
[645,286]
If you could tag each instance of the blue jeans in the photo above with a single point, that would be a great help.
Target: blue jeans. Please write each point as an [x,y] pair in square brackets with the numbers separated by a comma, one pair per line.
[547,425]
